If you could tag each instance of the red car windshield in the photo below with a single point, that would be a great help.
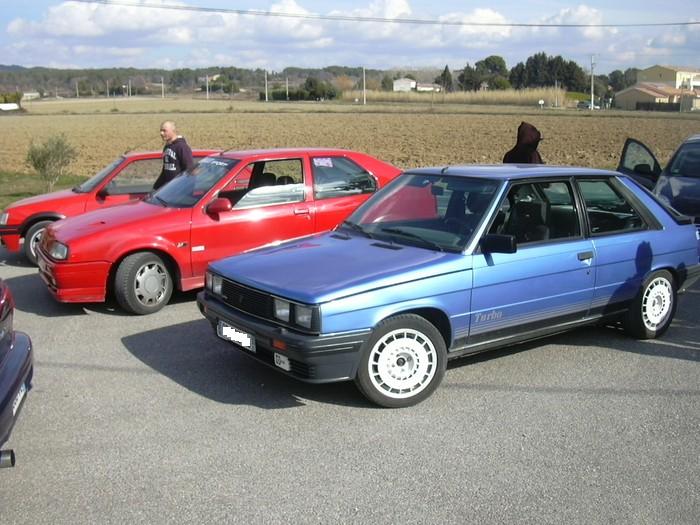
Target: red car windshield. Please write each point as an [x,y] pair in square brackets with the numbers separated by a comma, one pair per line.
[185,190]
[95,180]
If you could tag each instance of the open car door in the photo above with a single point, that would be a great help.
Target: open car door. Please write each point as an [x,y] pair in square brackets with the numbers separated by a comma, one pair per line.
[640,163]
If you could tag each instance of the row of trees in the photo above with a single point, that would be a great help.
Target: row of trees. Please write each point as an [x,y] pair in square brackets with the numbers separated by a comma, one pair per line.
[539,70]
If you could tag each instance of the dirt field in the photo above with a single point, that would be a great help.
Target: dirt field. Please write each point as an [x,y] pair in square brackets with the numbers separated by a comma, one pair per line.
[407,135]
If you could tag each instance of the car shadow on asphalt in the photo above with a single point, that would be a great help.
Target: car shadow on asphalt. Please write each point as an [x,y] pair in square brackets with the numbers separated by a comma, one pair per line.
[191,355]
[679,342]
[16,259]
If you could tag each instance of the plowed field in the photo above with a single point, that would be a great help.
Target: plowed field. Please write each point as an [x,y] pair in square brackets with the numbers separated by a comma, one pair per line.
[406,136]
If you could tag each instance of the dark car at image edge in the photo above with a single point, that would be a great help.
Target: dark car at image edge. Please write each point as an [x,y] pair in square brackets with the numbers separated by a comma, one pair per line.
[16,372]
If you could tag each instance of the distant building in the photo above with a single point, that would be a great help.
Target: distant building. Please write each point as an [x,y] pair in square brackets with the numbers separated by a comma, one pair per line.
[677,77]
[428,87]
[404,84]
[645,93]
[30,95]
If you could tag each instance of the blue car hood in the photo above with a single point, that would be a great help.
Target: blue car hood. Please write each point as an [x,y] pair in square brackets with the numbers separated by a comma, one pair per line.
[327,267]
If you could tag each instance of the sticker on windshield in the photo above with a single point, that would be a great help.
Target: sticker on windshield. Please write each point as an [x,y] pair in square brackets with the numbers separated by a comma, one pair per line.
[323,162]
[214,162]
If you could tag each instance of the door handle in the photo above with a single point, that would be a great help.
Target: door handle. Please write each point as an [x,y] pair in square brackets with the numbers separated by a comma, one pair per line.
[301,211]
[583,256]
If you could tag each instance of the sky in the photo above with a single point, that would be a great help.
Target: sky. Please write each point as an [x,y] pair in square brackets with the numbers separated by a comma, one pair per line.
[71,34]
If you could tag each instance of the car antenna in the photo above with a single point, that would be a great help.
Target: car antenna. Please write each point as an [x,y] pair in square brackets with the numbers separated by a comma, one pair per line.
[444,170]
[223,151]
[132,148]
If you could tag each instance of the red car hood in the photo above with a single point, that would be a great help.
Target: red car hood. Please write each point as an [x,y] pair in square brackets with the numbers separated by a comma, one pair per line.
[127,218]
[45,198]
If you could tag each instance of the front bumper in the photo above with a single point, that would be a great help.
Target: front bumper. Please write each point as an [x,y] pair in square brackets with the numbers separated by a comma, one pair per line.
[10,237]
[323,358]
[16,371]
[74,282]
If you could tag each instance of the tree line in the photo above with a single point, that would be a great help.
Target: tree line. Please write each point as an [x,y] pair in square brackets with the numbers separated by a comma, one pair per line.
[539,70]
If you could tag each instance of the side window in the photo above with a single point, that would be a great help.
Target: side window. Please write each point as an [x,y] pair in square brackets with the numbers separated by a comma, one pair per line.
[687,161]
[340,177]
[538,212]
[137,177]
[607,210]
[271,182]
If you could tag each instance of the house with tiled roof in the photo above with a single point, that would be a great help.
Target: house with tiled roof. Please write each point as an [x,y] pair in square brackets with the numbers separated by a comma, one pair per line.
[677,77]
[659,96]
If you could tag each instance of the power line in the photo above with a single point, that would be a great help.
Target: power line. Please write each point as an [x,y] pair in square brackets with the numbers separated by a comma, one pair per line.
[349,18]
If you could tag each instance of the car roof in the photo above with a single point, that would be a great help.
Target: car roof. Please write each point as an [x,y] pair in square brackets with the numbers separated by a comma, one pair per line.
[693,138]
[159,153]
[284,152]
[511,171]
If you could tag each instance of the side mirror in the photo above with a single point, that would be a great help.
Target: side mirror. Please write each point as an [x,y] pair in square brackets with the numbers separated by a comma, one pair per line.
[218,205]
[496,243]
[103,192]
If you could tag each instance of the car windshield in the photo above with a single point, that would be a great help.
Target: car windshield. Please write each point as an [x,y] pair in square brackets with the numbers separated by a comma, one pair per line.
[437,212]
[185,190]
[95,180]
[686,163]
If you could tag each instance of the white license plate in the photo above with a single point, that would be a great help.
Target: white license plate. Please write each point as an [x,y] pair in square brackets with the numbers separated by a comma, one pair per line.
[228,332]
[282,361]
[18,398]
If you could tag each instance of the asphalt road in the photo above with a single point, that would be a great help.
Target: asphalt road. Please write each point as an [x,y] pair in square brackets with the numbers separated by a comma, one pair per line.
[154,420]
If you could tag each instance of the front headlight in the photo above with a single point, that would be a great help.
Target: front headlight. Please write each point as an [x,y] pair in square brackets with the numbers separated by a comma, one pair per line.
[58,251]
[213,282]
[303,315]
[282,310]
[4,218]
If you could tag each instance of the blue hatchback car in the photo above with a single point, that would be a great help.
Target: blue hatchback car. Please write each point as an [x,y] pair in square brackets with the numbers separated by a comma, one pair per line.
[446,262]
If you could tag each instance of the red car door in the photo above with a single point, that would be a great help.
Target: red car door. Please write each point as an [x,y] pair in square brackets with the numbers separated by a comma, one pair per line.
[275,206]
[340,184]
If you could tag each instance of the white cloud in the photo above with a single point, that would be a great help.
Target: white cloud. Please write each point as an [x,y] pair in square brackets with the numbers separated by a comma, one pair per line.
[143,37]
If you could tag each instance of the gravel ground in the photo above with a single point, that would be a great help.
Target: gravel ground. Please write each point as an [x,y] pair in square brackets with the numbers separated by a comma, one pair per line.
[153,420]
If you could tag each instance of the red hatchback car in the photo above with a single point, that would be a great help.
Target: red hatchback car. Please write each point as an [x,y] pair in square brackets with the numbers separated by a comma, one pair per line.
[130,177]
[230,203]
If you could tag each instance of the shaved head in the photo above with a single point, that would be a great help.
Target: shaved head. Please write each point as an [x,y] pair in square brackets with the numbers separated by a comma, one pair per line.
[168,131]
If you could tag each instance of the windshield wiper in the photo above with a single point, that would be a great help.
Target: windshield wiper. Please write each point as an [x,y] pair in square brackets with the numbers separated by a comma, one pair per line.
[411,235]
[358,228]
[162,202]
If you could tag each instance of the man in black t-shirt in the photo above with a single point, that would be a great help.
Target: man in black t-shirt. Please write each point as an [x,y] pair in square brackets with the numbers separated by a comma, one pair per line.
[177,155]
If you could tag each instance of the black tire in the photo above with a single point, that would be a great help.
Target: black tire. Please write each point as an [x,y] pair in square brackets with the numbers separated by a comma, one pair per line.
[402,363]
[143,284]
[652,311]
[32,239]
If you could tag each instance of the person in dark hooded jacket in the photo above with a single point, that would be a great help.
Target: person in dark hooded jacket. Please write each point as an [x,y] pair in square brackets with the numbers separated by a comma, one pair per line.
[525,149]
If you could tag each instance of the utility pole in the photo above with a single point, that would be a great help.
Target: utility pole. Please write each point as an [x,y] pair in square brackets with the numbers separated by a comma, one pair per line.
[107,82]
[266,99]
[287,88]
[592,83]
[129,90]
[556,93]
[77,93]
[162,88]
[207,81]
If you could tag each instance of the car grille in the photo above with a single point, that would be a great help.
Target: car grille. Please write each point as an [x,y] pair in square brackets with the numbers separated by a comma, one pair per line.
[246,299]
